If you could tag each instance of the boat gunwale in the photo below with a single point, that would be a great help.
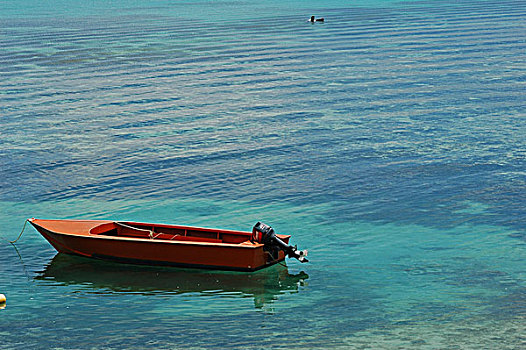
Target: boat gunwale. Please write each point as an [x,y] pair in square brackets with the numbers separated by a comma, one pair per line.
[146,239]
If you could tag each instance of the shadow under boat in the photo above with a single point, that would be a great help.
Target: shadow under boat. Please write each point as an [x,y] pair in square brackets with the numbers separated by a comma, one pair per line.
[97,276]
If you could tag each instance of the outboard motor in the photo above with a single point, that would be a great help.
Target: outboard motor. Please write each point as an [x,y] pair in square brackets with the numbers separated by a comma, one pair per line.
[273,244]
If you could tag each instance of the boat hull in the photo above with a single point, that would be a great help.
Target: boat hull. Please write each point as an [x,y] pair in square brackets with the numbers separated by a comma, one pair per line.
[76,237]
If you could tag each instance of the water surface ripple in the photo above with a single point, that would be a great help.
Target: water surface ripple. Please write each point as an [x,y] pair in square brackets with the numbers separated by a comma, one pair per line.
[389,139]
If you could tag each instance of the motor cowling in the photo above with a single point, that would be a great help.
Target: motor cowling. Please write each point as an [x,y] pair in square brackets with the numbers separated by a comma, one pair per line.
[263,233]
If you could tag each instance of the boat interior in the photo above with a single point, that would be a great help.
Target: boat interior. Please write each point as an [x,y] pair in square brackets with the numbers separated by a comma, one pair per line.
[171,233]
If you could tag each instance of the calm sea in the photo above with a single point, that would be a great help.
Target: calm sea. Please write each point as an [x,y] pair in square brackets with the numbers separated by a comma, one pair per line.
[390,141]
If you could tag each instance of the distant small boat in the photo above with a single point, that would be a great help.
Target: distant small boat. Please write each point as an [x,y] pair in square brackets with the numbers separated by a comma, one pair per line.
[175,245]
[314,19]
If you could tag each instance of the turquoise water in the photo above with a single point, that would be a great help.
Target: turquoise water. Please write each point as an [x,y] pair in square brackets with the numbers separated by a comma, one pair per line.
[389,141]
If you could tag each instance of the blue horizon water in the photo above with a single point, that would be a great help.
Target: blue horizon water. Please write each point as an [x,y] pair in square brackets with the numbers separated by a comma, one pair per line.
[389,141]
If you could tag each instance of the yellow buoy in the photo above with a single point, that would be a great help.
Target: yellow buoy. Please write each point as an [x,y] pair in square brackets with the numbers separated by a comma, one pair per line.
[2,300]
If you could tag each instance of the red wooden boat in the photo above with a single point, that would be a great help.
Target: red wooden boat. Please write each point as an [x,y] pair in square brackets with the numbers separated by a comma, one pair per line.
[159,244]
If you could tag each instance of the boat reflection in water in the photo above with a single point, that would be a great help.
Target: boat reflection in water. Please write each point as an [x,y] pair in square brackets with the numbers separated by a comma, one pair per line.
[107,277]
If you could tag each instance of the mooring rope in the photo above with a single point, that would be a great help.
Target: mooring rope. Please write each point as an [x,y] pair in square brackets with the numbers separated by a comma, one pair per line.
[23,264]
[20,235]
[150,232]
[29,279]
